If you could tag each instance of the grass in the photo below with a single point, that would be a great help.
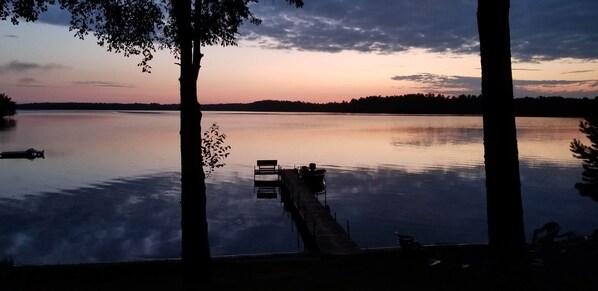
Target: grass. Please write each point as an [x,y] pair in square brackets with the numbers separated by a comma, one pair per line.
[461,268]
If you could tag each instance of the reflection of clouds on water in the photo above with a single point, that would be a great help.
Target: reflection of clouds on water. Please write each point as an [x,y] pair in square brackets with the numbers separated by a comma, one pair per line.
[126,219]
[241,224]
[549,194]
[427,205]
[138,218]
[430,136]
[449,206]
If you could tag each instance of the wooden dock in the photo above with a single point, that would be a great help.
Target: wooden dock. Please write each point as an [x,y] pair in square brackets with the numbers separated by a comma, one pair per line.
[326,233]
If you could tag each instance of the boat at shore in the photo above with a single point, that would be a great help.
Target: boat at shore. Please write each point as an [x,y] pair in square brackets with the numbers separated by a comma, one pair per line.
[29,154]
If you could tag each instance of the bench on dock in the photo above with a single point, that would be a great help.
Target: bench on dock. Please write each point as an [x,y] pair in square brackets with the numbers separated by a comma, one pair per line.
[267,167]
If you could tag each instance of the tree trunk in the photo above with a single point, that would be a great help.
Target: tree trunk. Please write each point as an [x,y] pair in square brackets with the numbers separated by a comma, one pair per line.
[195,249]
[503,187]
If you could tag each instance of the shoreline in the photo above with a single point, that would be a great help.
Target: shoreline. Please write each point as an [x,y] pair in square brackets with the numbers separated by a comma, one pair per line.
[459,268]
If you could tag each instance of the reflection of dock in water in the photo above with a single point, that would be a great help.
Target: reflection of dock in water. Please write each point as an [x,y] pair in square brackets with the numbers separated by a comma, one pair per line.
[315,219]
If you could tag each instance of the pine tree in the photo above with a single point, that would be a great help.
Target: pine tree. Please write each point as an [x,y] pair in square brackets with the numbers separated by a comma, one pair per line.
[589,156]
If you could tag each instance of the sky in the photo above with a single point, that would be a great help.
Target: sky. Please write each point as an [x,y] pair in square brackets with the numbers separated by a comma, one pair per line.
[327,51]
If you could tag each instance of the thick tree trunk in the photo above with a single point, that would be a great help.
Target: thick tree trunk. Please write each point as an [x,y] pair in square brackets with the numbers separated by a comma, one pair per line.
[503,187]
[195,249]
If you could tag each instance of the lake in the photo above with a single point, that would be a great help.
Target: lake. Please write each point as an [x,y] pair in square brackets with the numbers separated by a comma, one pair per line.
[108,188]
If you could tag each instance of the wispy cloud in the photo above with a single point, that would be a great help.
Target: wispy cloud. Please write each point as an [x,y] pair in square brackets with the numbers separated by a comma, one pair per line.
[104,84]
[19,67]
[579,72]
[29,82]
[456,85]
[573,88]
[433,83]
[523,69]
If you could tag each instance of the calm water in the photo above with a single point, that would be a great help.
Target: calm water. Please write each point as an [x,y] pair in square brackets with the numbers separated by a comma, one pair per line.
[108,189]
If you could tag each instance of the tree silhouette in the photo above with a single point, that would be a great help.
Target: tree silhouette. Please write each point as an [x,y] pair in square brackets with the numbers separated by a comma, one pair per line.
[139,27]
[589,156]
[7,106]
[213,149]
[503,186]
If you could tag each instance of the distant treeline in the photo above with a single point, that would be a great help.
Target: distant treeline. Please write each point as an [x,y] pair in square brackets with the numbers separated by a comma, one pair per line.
[424,104]
[404,104]
[96,106]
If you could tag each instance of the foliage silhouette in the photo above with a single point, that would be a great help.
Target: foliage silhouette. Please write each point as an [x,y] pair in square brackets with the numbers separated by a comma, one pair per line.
[7,106]
[213,149]
[589,156]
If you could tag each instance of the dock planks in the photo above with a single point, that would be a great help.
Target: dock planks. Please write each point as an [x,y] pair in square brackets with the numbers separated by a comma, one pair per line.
[328,235]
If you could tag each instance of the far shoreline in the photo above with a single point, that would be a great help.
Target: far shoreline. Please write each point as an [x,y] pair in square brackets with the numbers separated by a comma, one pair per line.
[413,104]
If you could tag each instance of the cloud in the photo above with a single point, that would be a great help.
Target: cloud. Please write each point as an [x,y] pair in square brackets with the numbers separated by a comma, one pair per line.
[11,36]
[567,88]
[579,72]
[442,84]
[547,30]
[29,82]
[456,85]
[104,84]
[367,26]
[540,29]
[19,67]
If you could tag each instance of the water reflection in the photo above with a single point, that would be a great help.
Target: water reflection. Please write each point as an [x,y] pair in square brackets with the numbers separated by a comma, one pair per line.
[7,123]
[118,220]
[138,218]
[429,205]
[426,137]
[421,175]
[240,223]
[448,205]
[132,219]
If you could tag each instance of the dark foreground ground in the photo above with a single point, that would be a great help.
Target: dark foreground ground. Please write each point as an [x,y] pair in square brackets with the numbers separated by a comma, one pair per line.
[436,268]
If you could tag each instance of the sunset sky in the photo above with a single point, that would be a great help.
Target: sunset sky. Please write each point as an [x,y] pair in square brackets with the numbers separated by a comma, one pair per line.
[330,50]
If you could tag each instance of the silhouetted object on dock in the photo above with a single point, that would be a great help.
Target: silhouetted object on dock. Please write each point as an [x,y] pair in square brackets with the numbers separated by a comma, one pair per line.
[589,155]
[266,167]
[314,178]
[29,154]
